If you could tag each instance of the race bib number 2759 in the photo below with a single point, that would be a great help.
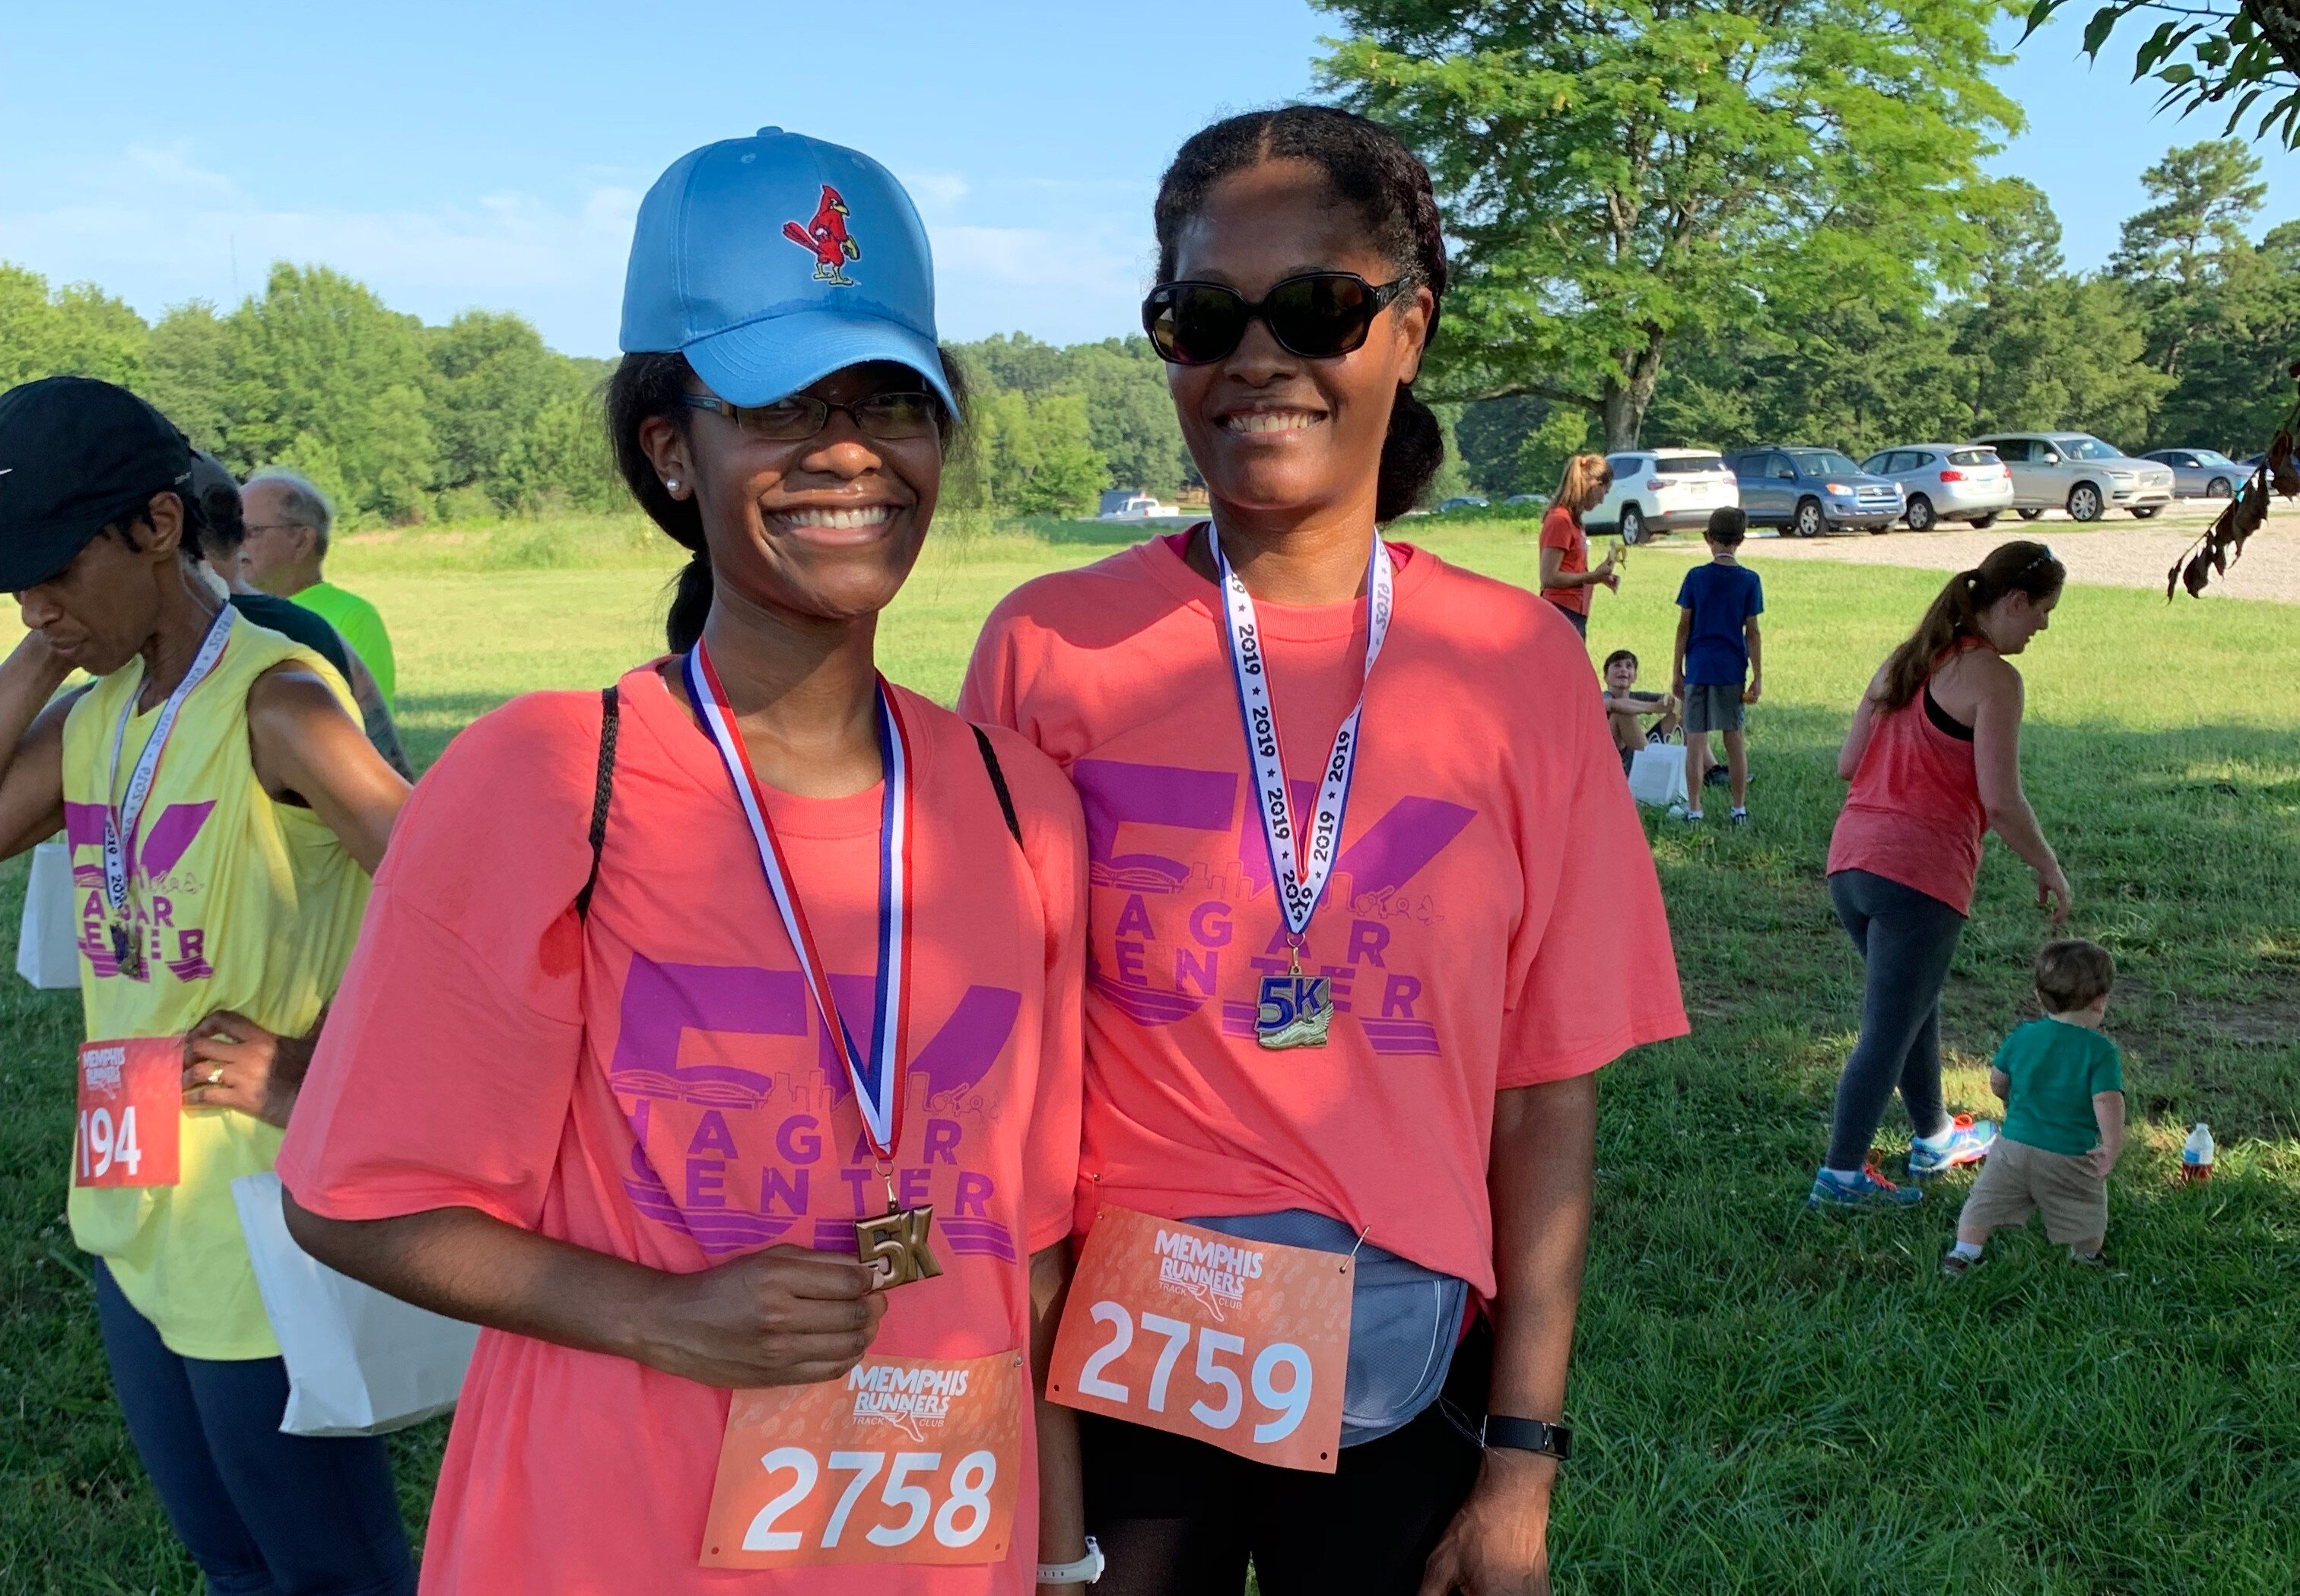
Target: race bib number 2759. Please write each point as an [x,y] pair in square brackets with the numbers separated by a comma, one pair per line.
[905,1460]
[1243,1344]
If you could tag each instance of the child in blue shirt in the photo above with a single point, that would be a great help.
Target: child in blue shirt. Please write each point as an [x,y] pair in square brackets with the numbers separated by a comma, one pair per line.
[1719,665]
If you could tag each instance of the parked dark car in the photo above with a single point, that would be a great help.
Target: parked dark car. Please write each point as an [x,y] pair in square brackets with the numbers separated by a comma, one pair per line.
[1810,491]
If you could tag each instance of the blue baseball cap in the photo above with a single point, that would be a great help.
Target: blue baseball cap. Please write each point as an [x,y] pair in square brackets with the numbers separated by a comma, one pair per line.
[773,261]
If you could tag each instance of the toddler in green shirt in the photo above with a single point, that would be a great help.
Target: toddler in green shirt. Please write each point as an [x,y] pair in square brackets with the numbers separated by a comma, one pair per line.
[2062,1083]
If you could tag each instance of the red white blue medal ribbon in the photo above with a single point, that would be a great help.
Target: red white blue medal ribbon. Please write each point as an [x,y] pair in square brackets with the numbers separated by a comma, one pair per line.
[121,821]
[877,1074]
[1300,867]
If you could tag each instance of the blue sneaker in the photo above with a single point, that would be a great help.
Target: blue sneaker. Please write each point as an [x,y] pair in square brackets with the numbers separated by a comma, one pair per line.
[1966,1140]
[1867,1189]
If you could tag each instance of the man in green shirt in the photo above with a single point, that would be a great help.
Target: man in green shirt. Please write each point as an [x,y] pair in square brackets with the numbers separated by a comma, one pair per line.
[288,523]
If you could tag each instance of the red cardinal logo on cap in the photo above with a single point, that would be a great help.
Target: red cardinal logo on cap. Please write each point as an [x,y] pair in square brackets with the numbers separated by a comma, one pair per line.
[826,239]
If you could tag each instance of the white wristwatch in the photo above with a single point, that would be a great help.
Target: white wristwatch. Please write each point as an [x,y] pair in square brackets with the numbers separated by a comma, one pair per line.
[1084,1572]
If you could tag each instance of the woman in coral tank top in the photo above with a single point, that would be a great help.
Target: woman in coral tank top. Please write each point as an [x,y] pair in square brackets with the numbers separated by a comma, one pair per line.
[1934,757]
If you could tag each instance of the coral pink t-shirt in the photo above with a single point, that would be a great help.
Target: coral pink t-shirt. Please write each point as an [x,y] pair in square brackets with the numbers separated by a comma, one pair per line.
[1560,529]
[1493,921]
[654,1084]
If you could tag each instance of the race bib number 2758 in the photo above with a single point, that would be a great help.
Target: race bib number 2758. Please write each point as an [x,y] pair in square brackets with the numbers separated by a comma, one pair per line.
[1243,1344]
[905,1460]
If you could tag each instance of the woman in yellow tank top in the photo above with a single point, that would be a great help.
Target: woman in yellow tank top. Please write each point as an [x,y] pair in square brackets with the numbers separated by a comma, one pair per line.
[224,811]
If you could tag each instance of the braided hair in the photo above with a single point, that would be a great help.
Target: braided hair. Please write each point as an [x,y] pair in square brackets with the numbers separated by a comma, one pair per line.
[1367,165]
[2017,567]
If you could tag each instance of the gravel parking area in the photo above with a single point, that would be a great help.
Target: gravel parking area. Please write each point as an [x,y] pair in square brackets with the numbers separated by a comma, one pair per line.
[2118,552]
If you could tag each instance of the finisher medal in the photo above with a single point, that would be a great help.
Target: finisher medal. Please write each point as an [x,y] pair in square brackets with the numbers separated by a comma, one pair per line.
[1294,1009]
[893,1244]
[121,821]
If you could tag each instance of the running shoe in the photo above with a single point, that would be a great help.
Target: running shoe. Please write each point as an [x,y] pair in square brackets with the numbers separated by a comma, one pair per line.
[1740,817]
[1966,1140]
[1956,1266]
[1867,1189]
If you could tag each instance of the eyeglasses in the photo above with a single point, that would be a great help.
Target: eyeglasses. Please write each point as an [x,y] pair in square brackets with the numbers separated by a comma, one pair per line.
[1317,316]
[890,418]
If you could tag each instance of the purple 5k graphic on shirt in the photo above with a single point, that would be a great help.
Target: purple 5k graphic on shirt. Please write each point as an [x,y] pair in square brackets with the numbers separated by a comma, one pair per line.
[734,1130]
[166,905]
[1172,950]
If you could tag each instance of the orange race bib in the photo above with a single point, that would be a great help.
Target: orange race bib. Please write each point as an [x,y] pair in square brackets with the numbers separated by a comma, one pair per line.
[1239,1342]
[905,1460]
[131,1104]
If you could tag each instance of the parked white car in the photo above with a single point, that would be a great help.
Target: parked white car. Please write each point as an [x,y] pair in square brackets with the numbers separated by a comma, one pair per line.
[1945,482]
[2075,471]
[1663,490]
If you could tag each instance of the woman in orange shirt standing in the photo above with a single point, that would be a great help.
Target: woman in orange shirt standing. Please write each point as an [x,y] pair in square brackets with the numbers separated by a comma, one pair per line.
[1368,908]
[1566,577]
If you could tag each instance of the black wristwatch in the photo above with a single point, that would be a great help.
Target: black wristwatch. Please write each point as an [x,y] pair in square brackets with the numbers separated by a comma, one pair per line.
[1529,1435]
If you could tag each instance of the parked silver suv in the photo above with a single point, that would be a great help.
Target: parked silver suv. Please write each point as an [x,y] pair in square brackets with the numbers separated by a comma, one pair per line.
[1945,482]
[2075,471]
[2199,473]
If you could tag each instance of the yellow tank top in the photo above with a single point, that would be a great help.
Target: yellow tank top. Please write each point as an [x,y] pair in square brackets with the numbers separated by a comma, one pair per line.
[241,903]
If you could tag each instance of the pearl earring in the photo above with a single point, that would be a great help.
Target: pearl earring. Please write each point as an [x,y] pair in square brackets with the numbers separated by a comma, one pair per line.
[670,484]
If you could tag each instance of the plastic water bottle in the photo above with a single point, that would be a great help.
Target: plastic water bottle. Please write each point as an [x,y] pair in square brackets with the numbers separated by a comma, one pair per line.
[2197,1154]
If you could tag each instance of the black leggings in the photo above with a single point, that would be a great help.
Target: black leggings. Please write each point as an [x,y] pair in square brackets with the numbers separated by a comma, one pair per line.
[1179,1517]
[1906,940]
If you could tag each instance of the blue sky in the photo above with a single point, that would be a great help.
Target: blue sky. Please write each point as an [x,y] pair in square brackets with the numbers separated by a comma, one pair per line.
[476,153]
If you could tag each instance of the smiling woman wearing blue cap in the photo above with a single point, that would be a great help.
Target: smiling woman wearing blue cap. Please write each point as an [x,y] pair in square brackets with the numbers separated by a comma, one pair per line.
[714,1041]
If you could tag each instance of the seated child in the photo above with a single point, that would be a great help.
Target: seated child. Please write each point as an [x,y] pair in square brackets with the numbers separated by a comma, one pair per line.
[1624,708]
[2062,1083]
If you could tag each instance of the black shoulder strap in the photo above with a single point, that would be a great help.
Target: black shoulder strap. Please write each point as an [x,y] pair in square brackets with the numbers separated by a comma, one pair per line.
[610,722]
[998,784]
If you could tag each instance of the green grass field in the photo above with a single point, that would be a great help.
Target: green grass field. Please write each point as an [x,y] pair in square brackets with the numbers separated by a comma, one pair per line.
[1767,1402]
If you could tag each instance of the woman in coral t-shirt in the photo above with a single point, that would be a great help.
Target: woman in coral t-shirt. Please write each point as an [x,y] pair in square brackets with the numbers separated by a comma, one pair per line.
[1566,577]
[1397,1061]
[722,1057]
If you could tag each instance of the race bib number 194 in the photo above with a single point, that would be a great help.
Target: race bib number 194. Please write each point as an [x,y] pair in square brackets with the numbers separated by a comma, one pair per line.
[905,1460]
[1241,1344]
[131,1103]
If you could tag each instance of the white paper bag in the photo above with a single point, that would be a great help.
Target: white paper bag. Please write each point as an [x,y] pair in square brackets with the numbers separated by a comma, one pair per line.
[47,948]
[359,1362]
[1657,774]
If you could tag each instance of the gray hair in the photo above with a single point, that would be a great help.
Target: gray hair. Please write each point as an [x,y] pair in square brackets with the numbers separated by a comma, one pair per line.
[303,504]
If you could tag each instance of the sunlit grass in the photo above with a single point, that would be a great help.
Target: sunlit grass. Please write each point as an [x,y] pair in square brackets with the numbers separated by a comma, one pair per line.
[1767,1402]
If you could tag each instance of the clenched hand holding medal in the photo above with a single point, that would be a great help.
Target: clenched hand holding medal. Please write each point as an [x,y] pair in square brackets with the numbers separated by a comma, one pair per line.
[895,1244]
[1294,1009]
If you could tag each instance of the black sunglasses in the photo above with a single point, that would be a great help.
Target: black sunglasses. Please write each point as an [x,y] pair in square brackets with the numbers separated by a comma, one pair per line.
[1318,315]
[888,416]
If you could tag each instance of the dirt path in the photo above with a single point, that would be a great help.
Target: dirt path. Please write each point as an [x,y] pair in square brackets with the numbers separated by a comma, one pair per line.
[2117,552]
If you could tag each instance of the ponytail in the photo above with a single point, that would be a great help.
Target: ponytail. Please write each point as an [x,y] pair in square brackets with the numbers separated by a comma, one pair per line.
[690,603]
[1411,451]
[1954,614]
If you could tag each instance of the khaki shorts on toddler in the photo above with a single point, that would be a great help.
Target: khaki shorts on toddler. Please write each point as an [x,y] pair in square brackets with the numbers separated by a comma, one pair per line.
[2017,1179]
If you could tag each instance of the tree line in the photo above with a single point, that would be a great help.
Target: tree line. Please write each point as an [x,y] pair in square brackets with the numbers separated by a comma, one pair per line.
[403,422]
[2183,340]
[1709,221]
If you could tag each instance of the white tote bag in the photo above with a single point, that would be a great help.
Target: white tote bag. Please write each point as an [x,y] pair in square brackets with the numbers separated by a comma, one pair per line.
[1657,774]
[359,1362]
[47,948]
